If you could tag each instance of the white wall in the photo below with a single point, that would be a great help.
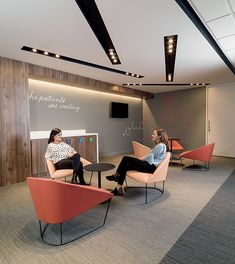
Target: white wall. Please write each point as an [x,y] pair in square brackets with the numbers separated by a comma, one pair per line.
[181,113]
[221,116]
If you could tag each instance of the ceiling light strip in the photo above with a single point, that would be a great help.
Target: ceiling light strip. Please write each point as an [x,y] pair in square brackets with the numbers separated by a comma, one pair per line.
[165,84]
[170,45]
[73,60]
[189,11]
[94,19]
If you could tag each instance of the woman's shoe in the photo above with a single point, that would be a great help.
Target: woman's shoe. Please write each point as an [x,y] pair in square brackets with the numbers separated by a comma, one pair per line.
[117,192]
[112,178]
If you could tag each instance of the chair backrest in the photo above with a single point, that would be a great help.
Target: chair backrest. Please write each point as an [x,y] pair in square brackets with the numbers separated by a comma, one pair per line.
[56,202]
[161,170]
[175,146]
[203,153]
[139,149]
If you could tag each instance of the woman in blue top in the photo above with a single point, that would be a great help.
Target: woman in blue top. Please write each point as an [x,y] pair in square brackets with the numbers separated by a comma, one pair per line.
[147,164]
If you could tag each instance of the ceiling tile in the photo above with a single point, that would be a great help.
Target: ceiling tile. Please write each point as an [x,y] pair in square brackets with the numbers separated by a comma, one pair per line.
[222,27]
[228,42]
[207,12]
[231,55]
[232,2]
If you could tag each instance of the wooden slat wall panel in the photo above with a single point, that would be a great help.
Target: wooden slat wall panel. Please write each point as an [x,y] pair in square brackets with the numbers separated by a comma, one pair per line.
[14,113]
[38,162]
[46,74]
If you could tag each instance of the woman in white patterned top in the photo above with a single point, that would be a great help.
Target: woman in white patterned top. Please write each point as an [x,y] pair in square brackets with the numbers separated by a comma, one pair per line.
[64,156]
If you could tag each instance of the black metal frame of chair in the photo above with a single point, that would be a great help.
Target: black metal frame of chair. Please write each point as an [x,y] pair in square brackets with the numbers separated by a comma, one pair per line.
[146,187]
[196,167]
[43,230]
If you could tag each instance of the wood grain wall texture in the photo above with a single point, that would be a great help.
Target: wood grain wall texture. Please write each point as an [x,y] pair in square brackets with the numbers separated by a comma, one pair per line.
[14,116]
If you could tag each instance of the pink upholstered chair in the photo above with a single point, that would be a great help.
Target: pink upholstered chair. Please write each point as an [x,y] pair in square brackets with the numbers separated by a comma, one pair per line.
[203,153]
[55,174]
[139,149]
[56,202]
[159,175]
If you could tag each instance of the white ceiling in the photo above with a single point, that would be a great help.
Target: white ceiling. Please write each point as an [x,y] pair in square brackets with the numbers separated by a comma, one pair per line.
[137,29]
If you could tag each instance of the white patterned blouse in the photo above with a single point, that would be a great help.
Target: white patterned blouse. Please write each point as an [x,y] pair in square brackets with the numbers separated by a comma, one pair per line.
[57,152]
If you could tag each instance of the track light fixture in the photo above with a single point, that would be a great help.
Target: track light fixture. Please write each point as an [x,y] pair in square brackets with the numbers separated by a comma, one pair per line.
[94,19]
[170,44]
[89,64]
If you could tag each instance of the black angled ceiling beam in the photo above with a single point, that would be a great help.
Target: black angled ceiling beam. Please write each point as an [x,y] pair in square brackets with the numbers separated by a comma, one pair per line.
[94,19]
[189,11]
[73,60]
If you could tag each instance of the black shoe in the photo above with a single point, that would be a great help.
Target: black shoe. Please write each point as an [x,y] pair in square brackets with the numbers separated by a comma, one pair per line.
[117,192]
[112,178]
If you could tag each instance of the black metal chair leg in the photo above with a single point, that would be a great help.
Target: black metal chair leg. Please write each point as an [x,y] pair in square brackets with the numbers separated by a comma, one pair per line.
[146,189]
[61,234]
[91,177]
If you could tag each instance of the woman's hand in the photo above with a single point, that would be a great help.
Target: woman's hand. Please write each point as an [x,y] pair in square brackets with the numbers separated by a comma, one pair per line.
[69,154]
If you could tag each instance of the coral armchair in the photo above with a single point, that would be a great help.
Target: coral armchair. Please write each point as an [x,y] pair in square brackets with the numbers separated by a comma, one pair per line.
[56,202]
[203,153]
[176,149]
[159,175]
[55,174]
[139,149]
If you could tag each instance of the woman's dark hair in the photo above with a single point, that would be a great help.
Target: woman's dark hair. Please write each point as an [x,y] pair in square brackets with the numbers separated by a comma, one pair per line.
[54,132]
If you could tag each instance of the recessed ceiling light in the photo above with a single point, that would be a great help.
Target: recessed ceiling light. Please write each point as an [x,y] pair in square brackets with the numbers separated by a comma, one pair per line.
[34,50]
[111,51]
[162,84]
[45,52]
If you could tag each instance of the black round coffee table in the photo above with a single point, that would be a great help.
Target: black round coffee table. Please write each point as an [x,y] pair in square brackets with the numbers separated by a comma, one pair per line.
[99,167]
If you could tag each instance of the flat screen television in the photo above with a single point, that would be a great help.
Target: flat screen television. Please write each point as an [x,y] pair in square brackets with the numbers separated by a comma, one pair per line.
[119,110]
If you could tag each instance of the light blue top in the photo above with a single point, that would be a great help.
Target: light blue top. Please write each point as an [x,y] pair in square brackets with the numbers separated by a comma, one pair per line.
[156,154]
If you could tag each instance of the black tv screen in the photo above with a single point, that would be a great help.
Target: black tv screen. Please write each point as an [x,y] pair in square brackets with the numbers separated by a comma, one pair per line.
[119,110]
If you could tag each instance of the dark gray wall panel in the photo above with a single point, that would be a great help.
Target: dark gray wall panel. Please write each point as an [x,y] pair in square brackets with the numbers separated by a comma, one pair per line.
[182,114]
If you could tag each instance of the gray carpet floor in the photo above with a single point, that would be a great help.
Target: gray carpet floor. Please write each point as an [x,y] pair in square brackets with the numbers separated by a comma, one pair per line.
[134,232]
[211,236]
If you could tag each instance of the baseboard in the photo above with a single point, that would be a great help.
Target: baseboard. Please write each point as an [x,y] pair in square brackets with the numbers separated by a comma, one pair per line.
[117,153]
[195,167]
